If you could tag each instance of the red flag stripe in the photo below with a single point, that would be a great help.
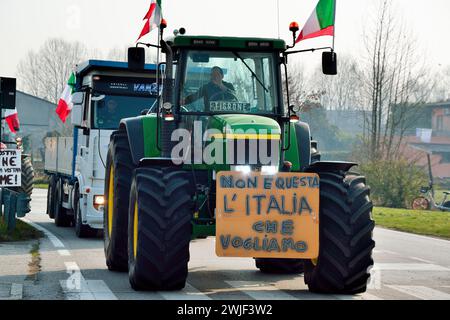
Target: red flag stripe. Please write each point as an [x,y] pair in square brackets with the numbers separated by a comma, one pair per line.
[62,110]
[13,122]
[145,29]
[324,32]
[150,11]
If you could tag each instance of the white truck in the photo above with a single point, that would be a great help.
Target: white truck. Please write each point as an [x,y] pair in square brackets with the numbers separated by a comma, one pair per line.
[105,93]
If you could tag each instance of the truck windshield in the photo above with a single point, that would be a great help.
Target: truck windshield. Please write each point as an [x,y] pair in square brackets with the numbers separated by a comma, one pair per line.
[230,82]
[108,110]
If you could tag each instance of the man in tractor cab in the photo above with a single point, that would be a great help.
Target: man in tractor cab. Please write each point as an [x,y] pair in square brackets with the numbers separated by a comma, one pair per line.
[215,90]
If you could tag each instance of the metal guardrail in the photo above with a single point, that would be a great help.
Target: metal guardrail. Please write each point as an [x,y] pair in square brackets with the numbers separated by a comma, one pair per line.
[13,205]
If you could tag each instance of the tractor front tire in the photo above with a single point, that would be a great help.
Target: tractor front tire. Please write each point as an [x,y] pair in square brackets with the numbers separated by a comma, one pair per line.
[119,171]
[279,266]
[159,233]
[346,241]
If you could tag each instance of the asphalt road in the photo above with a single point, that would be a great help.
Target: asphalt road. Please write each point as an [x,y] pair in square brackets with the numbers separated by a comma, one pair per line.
[407,267]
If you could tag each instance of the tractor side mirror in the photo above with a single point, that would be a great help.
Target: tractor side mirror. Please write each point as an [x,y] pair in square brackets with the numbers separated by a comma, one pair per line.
[329,63]
[136,58]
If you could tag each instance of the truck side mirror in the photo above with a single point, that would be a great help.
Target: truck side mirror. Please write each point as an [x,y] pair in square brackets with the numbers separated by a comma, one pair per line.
[329,63]
[77,110]
[77,115]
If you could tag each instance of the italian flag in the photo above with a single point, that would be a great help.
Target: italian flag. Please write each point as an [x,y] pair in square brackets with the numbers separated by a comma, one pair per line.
[12,119]
[153,17]
[65,102]
[321,22]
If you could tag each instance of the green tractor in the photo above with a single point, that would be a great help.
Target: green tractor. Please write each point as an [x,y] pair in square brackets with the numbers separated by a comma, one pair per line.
[222,155]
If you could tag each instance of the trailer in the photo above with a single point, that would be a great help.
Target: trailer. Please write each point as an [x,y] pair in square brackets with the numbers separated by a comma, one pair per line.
[105,93]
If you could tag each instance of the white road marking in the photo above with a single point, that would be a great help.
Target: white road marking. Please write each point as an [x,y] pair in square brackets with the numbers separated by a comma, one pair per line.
[423,293]
[447,242]
[54,239]
[260,291]
[421,260]
[408,267]
[16,292]
[64,253]
[387,251]
[368,296]
[188,293]
[76,287]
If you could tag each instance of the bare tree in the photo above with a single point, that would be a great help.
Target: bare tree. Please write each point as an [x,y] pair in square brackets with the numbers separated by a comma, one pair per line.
[341,92]
[396,82]
[442,89]
[45,73]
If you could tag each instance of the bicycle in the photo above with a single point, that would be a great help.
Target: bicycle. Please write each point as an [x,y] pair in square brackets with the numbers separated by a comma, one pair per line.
[428,202]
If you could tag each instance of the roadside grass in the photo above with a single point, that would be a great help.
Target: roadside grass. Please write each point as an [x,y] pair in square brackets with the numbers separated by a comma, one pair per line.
[429,223]
[41,185]
[22,232]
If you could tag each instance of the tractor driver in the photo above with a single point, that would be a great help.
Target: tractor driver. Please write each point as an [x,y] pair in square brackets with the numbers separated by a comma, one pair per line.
[215,90]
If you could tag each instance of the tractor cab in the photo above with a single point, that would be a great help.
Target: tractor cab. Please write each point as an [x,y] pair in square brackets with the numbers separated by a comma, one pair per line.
[228,76]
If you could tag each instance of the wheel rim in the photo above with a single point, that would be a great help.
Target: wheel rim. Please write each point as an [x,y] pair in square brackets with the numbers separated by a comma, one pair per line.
[110,200]
[135,229]
[420,204]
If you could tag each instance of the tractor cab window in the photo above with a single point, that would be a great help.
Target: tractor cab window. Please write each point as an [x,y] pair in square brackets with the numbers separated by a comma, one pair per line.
[230,82]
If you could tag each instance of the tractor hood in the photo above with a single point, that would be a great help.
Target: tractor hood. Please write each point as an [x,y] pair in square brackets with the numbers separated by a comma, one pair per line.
[248,139]
[256,126]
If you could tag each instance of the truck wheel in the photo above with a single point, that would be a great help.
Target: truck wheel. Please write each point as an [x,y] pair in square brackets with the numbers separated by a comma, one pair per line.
[81,230]
[119,172]
[280,266]
[346,243]
[51,197]
[159,229]
[61,217]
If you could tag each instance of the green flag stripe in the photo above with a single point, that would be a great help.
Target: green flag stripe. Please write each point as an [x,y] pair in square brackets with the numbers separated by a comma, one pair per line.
[72,82]
[158,2]
[325,13]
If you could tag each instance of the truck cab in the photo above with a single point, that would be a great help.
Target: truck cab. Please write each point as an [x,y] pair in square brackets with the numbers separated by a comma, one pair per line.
[105,93]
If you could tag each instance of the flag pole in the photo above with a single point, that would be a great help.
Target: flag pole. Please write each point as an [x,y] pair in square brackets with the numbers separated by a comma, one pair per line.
[278,17]
[334,19]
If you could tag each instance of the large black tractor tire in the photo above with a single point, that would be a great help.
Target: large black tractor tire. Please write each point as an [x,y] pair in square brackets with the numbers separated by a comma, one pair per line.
[62,219]
[346,240]
[27,176]
[119,172]
[159,233]
[81,230]
[51,197]
[279,266]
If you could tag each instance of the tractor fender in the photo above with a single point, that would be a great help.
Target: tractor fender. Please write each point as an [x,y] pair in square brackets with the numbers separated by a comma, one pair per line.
[330,166]
[135,133]
[303,135]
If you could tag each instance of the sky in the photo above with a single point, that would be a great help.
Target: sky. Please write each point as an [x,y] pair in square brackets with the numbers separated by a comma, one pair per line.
[107,24]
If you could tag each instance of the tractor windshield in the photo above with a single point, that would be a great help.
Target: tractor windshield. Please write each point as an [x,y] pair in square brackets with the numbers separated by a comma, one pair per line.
[230,82]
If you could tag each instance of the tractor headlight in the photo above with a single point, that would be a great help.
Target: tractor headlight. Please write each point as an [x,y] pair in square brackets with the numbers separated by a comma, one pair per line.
[269,170]
[243,169]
